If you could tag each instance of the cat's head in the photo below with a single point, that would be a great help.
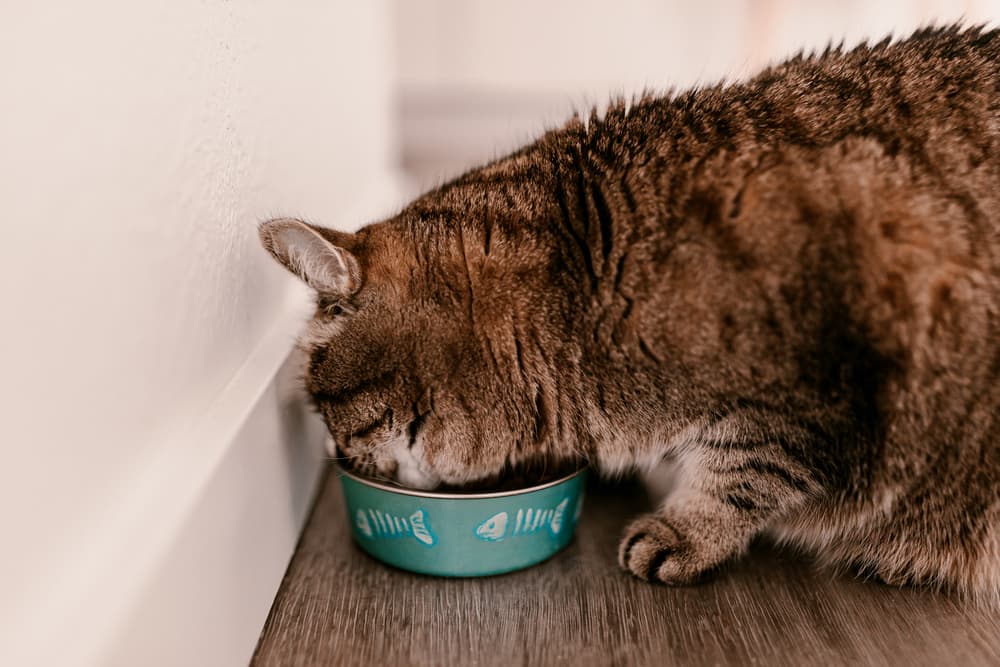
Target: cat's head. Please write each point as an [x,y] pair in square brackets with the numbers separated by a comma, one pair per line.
[399,367]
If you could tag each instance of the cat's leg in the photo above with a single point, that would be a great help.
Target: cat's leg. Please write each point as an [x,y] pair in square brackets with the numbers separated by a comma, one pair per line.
[727,492]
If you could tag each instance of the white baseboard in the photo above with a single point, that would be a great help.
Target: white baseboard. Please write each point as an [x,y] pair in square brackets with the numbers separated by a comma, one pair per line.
[184,573]
[207,599]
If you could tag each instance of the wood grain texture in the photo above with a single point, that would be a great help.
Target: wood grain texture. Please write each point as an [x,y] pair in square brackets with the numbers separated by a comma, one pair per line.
[337,606]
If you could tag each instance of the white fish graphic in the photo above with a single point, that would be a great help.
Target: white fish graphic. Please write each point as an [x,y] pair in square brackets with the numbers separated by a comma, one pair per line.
[375,524]
[501,526]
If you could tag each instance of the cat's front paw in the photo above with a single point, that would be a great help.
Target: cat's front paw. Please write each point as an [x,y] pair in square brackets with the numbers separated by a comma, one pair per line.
[654,550]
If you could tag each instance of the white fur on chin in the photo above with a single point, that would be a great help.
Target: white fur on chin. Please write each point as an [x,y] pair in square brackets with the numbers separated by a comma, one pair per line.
[409,471]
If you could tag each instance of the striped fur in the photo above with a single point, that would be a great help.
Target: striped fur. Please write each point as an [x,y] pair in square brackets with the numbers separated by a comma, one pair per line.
[791,285]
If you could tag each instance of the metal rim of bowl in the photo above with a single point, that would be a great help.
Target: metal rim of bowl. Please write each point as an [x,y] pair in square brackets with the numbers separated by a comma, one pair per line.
[456,496]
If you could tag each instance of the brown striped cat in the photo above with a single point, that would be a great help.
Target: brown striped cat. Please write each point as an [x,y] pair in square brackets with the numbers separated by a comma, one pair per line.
[790,285]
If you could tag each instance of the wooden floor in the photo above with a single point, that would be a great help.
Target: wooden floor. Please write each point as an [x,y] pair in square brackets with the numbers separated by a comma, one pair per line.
[337,606]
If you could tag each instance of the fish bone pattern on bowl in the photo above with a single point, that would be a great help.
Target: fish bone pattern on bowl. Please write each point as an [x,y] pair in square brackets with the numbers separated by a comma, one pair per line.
[463,535]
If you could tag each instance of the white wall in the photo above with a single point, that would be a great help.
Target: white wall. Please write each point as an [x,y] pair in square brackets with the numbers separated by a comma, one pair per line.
[140,143]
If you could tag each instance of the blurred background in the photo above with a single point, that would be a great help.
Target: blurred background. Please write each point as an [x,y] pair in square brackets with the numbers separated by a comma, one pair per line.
[473,79]
[157,460]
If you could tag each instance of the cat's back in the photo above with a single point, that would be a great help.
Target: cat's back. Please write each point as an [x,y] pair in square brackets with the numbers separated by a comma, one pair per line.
[921,90]
[890,156]
[890,152]
[896,151]
[893,152]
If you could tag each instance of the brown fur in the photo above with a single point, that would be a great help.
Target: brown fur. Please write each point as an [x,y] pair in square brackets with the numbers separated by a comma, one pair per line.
[790,285]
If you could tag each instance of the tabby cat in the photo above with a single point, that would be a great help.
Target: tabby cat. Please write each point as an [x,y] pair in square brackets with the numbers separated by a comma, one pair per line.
[789,285]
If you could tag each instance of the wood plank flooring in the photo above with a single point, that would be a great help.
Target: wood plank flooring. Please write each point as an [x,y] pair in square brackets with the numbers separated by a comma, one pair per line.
[337,606]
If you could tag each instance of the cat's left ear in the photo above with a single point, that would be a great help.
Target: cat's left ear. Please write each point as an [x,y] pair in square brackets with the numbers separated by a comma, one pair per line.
[327,267]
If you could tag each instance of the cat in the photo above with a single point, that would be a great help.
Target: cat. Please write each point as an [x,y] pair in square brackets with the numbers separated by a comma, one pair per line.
[789,285]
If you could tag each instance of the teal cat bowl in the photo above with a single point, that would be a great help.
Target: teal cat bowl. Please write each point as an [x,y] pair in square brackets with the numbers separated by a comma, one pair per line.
[462,534]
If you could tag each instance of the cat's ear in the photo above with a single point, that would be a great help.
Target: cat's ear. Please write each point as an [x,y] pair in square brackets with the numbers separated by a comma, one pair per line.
[326,267]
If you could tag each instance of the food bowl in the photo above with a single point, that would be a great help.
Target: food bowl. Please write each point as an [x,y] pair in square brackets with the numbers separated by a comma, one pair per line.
[462,534]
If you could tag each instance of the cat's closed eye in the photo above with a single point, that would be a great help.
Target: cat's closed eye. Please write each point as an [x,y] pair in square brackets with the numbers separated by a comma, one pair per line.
[332,308]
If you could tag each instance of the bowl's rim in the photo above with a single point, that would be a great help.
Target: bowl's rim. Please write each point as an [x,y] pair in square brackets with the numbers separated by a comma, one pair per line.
[383,486]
